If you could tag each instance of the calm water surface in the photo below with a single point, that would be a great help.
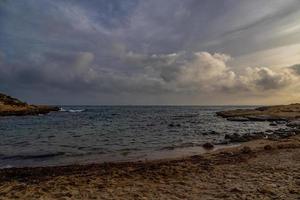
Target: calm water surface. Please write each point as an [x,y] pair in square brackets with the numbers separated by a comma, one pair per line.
[84,134]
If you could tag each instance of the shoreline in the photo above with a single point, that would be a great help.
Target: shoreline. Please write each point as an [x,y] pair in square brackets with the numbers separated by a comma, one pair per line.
[257,144]
[143,179]
[133,157]
[265,165]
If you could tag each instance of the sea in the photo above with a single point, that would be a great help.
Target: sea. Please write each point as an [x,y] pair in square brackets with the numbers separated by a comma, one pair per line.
[98,134]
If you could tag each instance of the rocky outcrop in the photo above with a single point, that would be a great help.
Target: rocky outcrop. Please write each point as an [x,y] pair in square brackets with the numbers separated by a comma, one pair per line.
[10,106]
[237,138]
[266,113]
[208,145]
[238,119]
[294,124]
[269,134]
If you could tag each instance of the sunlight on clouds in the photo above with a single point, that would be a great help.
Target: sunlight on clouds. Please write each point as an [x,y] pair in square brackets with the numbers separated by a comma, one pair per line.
[277,57]
[187,50]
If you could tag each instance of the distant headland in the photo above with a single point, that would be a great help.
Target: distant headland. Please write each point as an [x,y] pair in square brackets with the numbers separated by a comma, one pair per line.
[267,113]
[10,106]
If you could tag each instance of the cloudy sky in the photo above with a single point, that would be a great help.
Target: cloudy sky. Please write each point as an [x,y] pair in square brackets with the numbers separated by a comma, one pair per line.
[150,52]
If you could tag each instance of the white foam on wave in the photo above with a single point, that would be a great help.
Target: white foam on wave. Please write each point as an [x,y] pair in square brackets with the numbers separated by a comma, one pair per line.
[71,110]
[6,166]
[74,111]
[62,110]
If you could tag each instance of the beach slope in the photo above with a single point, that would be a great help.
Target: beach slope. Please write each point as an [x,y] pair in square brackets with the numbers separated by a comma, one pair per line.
[260,169]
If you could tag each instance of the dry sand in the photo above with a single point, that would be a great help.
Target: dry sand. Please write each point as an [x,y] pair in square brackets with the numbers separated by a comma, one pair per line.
[260,169]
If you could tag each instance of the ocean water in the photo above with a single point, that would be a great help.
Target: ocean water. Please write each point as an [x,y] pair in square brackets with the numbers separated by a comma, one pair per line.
[88,134]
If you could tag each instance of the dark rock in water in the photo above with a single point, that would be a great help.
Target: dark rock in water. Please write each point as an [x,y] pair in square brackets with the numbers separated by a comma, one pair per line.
[235,135]
[235,138]
[232,138]
[224,142]
[227,137]
[293,128]
[284,132]
[174,125]
[171,125]
[265,118]
[208,145]
[295,124]
[244,138]
[214,133]
[281,122]
[238,119]
[273,124]
[246,150]
[268,147]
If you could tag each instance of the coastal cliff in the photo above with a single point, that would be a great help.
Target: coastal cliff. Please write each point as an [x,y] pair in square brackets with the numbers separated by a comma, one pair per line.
[10,106]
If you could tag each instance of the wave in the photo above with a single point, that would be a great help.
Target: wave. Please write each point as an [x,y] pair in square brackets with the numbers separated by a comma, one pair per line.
[71,110]
[62,110]
[74,111]
[184,116]
[178,146]
[37,156]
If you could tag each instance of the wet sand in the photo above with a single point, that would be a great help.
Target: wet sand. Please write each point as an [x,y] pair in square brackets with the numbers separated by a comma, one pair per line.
[260,169]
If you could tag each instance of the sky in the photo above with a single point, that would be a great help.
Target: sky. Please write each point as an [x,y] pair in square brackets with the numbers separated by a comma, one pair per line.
[156,52]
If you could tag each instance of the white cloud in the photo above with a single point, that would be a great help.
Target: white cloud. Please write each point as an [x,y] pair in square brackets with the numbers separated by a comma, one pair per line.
[262,79]
[205,72]
[198,72]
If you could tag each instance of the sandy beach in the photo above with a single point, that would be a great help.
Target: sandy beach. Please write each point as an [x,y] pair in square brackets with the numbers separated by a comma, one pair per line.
[260,169]
[150,100]
[265,166]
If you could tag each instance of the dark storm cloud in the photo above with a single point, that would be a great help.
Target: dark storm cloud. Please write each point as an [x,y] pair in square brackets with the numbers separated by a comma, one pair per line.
[141,47]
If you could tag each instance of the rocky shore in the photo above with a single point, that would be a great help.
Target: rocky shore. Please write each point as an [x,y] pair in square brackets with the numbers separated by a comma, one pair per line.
[285,117]
[265,165]
[267,113]
[10,106]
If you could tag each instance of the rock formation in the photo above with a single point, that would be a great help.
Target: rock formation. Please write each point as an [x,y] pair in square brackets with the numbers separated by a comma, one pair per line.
[10,106]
